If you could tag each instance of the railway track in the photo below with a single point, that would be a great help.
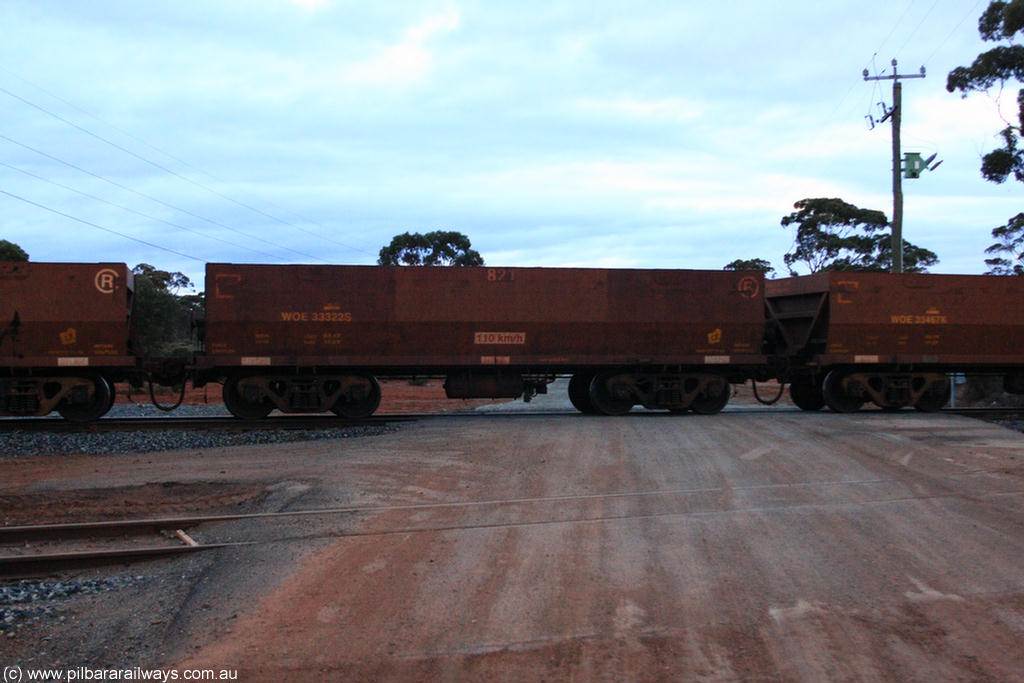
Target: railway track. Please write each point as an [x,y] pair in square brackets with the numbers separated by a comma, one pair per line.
[315,422]
[226,423]
[1007,413]
[40,550]
[170,423]
[32,551]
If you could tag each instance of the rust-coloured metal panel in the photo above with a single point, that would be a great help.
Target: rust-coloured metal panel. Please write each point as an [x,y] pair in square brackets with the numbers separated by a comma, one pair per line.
[913,318]
[454,317]
[65,314]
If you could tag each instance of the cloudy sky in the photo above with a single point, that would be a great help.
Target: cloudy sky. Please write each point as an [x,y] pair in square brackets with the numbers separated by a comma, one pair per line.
[645,134]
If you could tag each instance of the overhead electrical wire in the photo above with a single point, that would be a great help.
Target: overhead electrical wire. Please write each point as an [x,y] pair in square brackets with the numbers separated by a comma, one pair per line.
[917,28]
[100,227]
[894,27]
[154,199]
[133,211]
[167,170]
[960,23]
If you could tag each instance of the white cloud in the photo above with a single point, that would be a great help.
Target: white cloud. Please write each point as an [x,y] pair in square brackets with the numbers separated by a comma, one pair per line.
[311,5]
[408,62]
[670,109]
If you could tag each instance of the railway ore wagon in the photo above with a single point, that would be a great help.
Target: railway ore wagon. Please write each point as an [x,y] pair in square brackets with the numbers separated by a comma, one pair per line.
[64,337]
[890,338]
[314,338]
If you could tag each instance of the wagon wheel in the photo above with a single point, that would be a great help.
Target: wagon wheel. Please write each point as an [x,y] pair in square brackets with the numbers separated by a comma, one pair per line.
[96,407]
[836,396]
[806,395]
[363,408]
[113,397]
[603,398]
[712,399]
[935,398]
[242,408]
[579,393]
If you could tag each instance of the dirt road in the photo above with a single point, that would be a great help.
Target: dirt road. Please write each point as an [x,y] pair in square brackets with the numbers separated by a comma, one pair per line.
[747,546]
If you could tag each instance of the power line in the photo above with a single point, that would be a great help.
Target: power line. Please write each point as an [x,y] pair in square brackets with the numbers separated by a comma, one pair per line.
[154,199]
[945,40]
[895,26]
[918,27]
[99,227]
[133,211]
[168,170]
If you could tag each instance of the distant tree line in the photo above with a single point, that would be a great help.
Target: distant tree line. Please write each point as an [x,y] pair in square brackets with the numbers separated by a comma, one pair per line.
[834,235]
[1001,22]
[11,252]
[163,317]
[437,248]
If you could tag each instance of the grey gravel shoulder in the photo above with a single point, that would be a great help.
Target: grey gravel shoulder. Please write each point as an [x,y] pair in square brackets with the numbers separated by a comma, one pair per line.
[22,444]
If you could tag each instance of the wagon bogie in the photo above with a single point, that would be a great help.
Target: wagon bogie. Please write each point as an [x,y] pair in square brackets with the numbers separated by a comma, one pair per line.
[254,396]
[616,392]
[77,398]
[846,389]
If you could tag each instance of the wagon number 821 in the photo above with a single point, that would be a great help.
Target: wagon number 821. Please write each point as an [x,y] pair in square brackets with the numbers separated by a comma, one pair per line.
[501,275]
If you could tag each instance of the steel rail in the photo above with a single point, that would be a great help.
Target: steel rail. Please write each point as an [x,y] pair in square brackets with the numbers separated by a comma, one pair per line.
[220,423]
[42,564]
[36,564]
[315,422]
[25,564]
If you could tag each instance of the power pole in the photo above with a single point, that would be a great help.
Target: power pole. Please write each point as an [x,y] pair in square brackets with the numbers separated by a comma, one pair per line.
[897,167]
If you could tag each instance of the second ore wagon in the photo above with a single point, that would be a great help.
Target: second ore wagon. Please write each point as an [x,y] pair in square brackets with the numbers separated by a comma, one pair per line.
[315,338]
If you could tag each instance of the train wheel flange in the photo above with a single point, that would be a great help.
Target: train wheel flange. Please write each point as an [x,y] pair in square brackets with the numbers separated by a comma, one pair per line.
[100,401]
[712,399]
[806,395]
[241,407]
[836,395]
[361,409]
[934,398]
[579,393]
[608,393]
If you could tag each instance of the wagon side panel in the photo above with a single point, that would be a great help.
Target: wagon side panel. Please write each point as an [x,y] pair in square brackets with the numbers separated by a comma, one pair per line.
[65,314]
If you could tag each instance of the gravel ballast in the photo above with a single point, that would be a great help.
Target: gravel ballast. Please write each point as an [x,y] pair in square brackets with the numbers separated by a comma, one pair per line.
[35,599]
[24,443]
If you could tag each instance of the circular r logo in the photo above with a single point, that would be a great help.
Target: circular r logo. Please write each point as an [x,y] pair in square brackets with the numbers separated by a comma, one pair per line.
[748,287]
[106,281]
